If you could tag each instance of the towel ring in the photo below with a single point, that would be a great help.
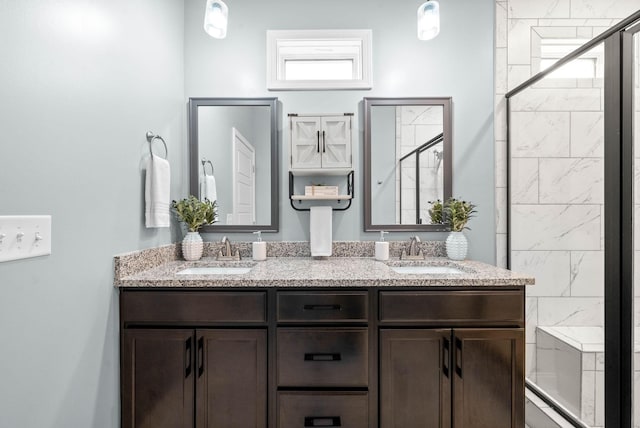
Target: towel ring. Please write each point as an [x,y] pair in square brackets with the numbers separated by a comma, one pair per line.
[204,162]
[151,137]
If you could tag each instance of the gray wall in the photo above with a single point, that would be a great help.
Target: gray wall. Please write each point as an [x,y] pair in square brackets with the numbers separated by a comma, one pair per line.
[80,84]
[458,63]
[383,165]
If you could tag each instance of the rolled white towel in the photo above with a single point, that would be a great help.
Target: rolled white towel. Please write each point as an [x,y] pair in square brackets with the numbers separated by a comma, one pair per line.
[157,192]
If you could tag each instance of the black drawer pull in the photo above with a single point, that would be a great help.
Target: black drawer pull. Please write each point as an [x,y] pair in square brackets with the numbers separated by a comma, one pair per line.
[458,357]
[322,421]
[188,357]
[445,357]
[322,307]
[322,357]
[200,356]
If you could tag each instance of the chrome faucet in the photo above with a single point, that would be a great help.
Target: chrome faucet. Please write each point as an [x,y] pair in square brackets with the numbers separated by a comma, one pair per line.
[225,253]
[414,252]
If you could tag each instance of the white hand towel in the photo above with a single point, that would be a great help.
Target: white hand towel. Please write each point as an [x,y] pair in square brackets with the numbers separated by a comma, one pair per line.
[209,191]
[320,236]
[157,192]
[208,188]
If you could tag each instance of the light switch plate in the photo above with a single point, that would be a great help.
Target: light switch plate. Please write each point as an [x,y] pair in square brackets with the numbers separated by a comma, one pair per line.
[23,237]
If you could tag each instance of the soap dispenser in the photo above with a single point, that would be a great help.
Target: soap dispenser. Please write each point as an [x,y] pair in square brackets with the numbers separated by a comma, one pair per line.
[382,248]
[259,248]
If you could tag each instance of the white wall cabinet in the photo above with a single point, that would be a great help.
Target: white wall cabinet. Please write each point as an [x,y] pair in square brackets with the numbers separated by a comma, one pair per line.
[321,142]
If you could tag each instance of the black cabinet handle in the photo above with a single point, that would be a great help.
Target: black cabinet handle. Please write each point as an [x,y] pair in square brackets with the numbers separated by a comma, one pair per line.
[324,143]
[322,421]
[458,357]
[445,357]
[188,358]
[318,132]
[322,357]
[322,307]
[200,356]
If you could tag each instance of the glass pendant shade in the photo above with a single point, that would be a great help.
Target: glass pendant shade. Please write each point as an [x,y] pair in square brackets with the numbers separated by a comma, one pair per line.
[428,20]
[216,15]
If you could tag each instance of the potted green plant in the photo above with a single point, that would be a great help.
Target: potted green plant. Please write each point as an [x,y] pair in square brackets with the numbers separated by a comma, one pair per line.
[436,211]
[454,213]
[194,213]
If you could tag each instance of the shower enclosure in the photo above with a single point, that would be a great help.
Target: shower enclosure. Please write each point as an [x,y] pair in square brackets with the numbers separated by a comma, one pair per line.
[574,200]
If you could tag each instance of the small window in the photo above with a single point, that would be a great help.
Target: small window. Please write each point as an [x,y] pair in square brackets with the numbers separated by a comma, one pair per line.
[319,59]
[586,66]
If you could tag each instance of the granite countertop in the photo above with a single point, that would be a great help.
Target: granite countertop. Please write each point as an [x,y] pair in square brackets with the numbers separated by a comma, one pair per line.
[308,272]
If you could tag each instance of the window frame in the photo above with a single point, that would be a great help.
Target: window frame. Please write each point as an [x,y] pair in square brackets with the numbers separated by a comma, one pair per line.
[361,57]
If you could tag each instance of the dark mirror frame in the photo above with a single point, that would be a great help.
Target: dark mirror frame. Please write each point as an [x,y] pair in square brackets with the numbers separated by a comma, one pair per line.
[194,159]
[445,102]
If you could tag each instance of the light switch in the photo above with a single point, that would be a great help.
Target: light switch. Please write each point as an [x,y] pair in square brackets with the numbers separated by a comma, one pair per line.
[22,237]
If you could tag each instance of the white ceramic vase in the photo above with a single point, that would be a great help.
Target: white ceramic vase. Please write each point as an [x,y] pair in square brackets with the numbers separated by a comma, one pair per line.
[192,246]
[456,246]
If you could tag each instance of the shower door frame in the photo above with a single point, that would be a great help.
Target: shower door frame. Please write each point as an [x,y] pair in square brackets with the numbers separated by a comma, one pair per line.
[618,209]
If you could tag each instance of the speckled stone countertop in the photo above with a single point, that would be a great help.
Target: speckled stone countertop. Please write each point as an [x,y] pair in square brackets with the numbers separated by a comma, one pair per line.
[159,268]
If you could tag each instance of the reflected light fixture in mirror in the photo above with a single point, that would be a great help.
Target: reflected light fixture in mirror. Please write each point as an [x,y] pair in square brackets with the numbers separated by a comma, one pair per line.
[428,20]
[216,14]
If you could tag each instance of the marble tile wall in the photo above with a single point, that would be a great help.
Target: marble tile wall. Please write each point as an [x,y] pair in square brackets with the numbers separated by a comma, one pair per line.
[415,126]
[556,194]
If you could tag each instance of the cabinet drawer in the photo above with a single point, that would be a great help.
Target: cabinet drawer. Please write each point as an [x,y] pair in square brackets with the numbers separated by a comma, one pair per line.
[453,307]
[192,307]
[322,307]
[312,357]
[323,409]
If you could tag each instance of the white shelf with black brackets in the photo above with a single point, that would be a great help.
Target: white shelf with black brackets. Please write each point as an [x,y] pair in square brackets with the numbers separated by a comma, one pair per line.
[338,198]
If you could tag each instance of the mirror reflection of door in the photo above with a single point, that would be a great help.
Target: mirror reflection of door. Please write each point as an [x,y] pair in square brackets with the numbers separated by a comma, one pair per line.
[244,181]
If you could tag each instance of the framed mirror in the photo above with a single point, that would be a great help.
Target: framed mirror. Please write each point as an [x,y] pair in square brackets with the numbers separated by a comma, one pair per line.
[233,159]
[407,162]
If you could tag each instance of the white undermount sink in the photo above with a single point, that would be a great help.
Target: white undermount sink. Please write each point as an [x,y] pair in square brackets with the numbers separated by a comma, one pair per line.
[422,270]
[218,270]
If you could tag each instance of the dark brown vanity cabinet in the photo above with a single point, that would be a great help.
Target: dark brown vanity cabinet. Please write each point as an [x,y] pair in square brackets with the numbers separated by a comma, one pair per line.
[206,377]
[432,357]
[468,376]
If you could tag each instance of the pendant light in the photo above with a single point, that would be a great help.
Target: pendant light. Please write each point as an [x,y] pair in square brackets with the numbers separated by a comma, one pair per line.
[216,15]
[428,20]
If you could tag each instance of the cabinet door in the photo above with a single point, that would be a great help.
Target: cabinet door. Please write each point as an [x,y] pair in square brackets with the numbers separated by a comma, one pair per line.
[336,142]
[231,378]
[488,382]
[157,378]
[415,390]
[305,143]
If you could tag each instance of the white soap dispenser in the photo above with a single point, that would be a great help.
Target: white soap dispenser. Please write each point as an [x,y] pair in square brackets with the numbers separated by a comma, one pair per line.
[259,248]
[382,248]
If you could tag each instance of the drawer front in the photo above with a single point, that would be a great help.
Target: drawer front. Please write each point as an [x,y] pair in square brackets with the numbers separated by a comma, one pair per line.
[311,357]
[323,409]
[192,307]
[322,307]
[453,307]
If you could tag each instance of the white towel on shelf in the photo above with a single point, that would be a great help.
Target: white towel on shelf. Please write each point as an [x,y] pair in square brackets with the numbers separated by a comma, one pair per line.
[157,192]
[320,237]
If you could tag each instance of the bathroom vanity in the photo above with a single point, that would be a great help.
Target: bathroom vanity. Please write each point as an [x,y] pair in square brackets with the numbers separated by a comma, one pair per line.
[343,342]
